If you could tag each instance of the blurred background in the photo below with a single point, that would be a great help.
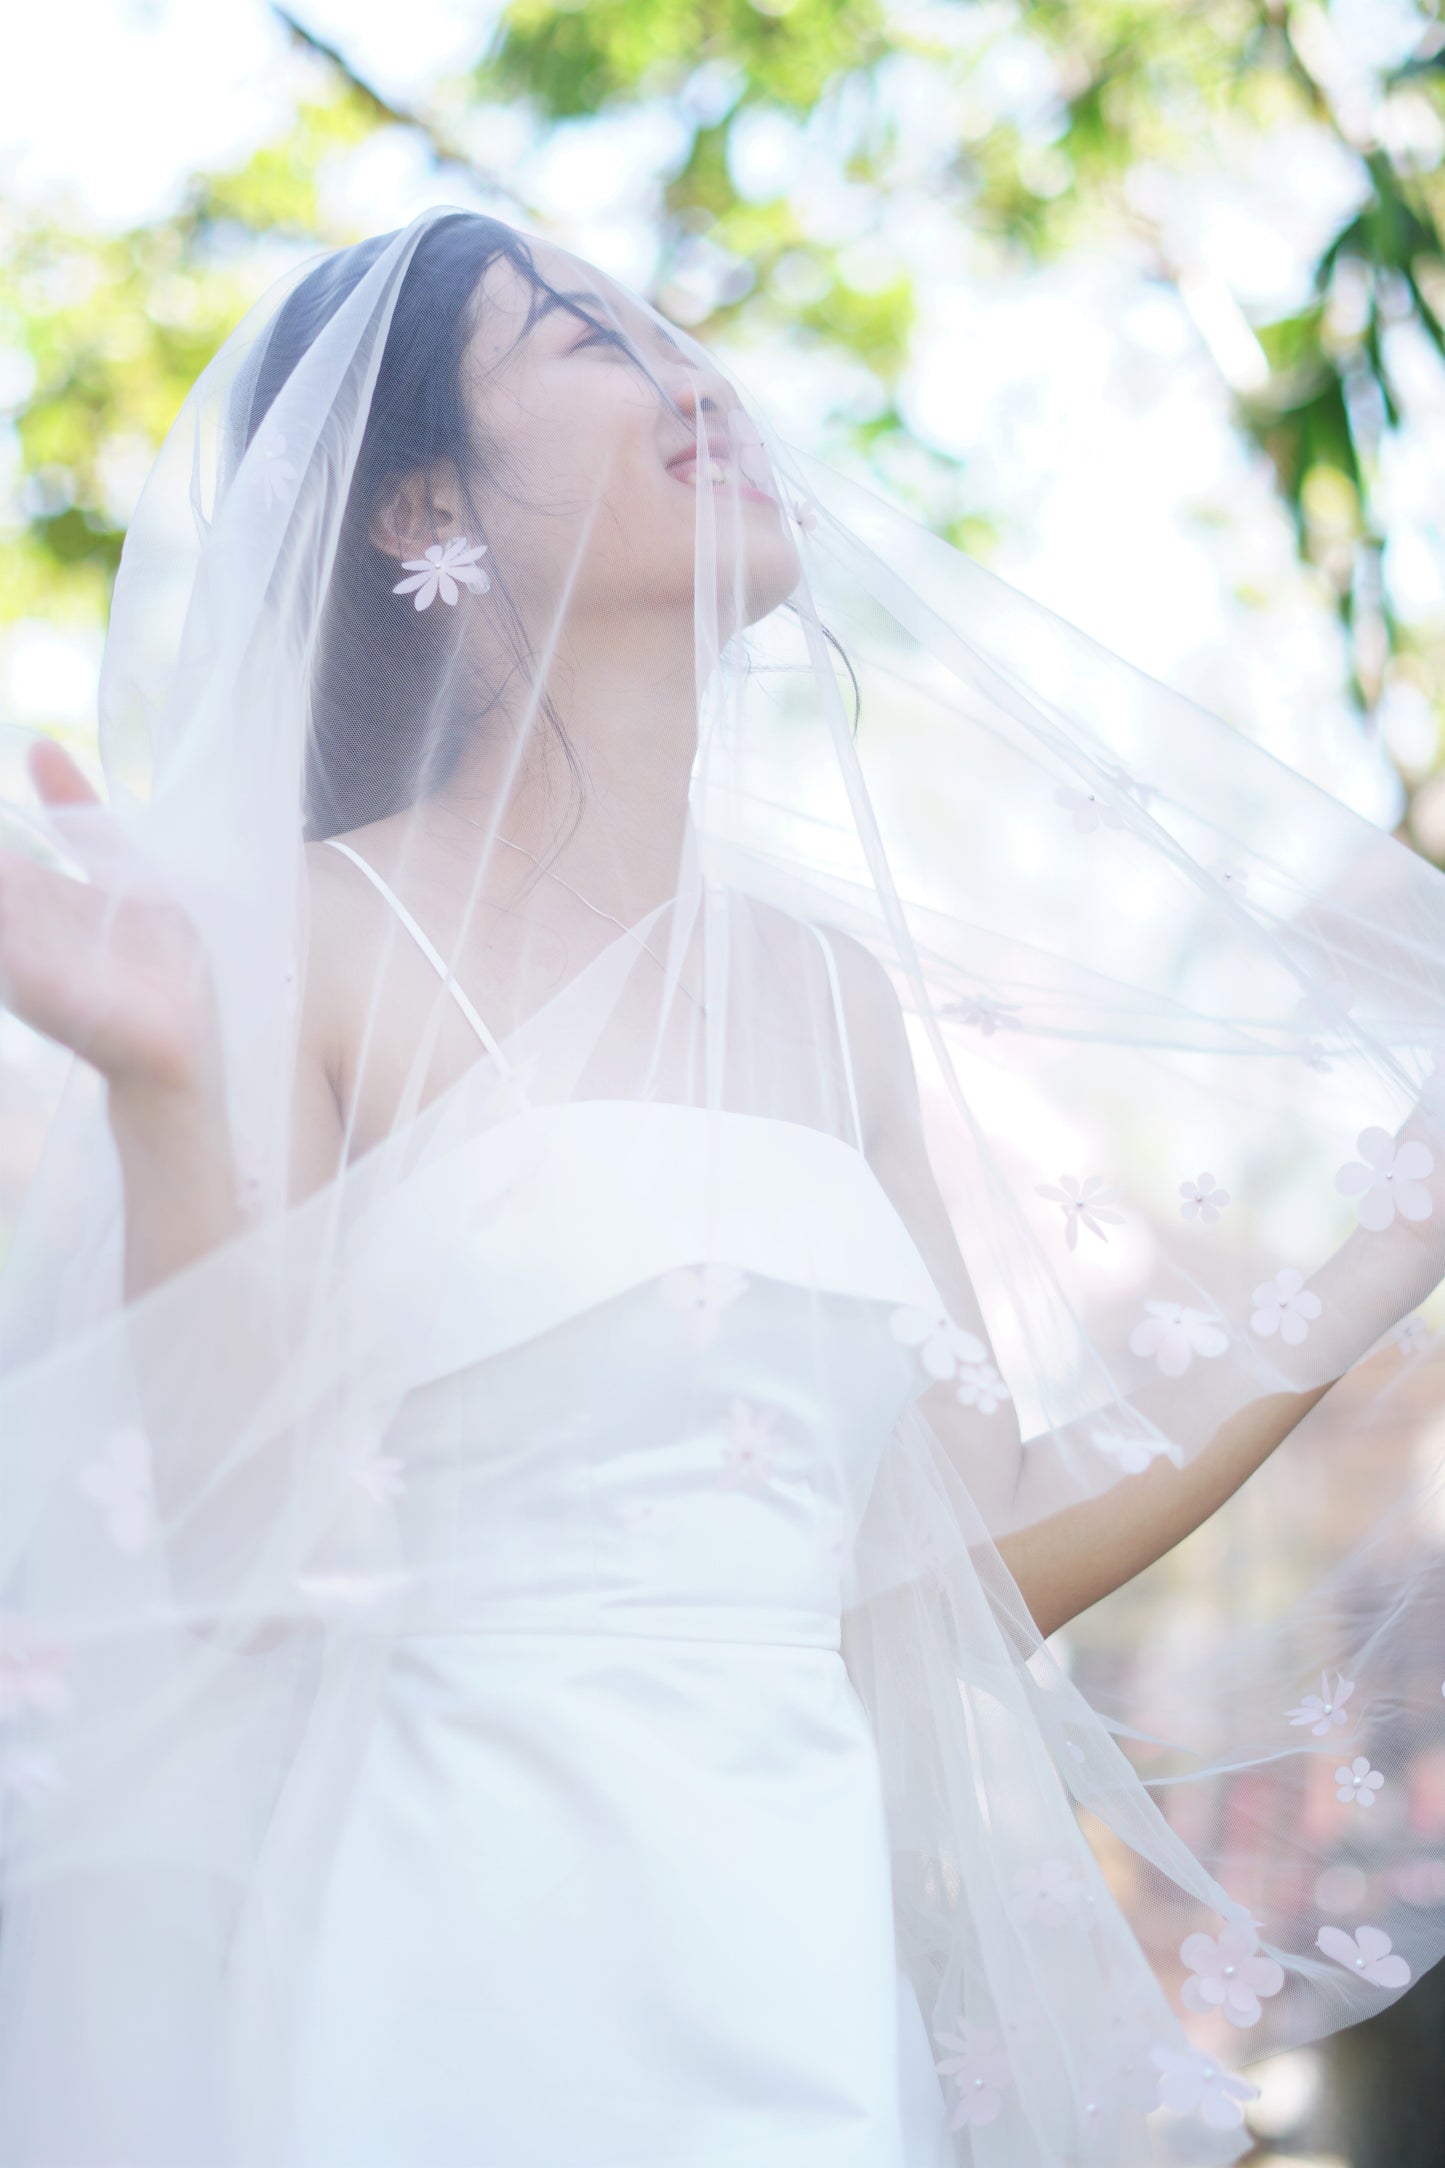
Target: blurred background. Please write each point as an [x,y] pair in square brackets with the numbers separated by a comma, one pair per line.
[1140,301]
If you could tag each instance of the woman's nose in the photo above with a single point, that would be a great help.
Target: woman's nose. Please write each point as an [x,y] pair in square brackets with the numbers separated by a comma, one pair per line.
[697,394]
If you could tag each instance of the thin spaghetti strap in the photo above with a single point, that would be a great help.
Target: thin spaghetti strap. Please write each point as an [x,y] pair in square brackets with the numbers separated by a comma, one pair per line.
[432,955]
[828,958]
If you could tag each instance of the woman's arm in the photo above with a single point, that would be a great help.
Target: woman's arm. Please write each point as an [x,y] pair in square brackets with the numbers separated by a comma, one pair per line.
[1068,1558]
[120,976]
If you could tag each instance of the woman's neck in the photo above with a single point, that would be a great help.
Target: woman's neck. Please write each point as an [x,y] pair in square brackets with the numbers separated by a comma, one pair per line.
[632,731]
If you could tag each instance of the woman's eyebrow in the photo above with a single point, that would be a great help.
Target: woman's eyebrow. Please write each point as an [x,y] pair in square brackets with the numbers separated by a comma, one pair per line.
[585,302]
[581,304]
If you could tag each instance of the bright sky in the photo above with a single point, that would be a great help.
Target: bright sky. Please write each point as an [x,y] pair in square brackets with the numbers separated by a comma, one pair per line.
[1091,401]
[119,107]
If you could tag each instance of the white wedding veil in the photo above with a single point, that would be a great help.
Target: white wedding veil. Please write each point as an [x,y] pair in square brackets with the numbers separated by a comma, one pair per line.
[747,841]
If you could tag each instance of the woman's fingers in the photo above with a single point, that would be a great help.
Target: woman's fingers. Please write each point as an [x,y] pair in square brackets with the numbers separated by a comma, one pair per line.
[56,776]
[80,823]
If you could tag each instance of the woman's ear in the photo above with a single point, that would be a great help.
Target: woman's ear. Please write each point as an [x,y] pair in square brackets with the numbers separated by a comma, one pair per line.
[422,508]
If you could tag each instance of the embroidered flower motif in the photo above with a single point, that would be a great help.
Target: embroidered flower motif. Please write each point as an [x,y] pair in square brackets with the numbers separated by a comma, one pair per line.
[1133,1453]
[805,513]
[1088,808]
[1413,1334]
[119,1481]
[1089,1201]
[1387,1178]
[1192,2083]
[30,1773]
[981,1386]
[379,1474]
[1326,1708]
[985,1012]
[942,1346]
[1285,1305]
[978,2066]
[1141,793]
[1174,1334]
[279,475]
[1050,1893]
[1121,2072]
[1102,2087]
[444,566]
[929,1558]
[1358,1782]
[1366,1952]
[1203,1199]
[750,1434]
[700,1295]
[32,1674]
[1231,1974]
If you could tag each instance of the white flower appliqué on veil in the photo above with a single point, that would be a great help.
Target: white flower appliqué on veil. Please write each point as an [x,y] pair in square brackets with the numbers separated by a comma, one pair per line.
[751,1440]
[380,1475]
[947,1351]
[1204,1199]
[32,1674]
[1230,1972]
[1358,1784]
[1132,1451]
[985,1012]
[1326,1708]
[1089,1200]
[979,2067]
[445,567]
[1050,1893]
[700,1296]
[1387,1178]
[120,1483]
[1366,1952]
[943,1347]
[1174,1334]
[1192,2083]
[1285,1305]
[981,1386]
[1089,810]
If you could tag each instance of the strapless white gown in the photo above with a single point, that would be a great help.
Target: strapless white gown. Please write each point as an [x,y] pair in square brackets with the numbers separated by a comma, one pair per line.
[607,1884]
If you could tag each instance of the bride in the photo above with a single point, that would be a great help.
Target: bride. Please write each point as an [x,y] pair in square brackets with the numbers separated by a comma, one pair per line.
[553,1390]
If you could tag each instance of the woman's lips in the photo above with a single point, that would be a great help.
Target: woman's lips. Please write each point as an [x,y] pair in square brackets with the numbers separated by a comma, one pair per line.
[722,476]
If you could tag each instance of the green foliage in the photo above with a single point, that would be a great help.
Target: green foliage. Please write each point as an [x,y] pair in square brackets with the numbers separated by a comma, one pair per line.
[107,333]
[583,59]
[112,333]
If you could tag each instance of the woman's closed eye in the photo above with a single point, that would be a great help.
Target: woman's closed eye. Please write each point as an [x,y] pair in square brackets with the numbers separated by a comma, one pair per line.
[601,335]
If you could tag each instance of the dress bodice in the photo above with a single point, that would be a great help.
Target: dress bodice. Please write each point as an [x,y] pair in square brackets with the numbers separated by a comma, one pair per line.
[643,1362]
[657,1369]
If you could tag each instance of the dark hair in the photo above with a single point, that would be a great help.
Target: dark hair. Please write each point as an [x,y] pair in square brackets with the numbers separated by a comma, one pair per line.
[379,670]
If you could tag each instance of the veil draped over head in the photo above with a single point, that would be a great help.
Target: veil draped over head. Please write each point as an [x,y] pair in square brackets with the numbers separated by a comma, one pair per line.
[814,954]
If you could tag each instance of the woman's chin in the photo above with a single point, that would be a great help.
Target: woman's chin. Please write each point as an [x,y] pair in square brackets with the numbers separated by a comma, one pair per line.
[770,574]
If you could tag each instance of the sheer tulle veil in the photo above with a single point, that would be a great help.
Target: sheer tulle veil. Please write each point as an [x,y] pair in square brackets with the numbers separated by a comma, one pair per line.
[747,818]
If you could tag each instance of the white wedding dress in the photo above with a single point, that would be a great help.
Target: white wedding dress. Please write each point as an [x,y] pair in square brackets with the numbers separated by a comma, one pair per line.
[605,1882]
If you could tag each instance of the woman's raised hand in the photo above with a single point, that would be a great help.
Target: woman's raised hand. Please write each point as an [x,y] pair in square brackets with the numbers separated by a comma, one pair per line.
[107,966]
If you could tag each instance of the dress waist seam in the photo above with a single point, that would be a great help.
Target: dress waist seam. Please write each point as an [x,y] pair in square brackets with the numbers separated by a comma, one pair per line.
[601,1634]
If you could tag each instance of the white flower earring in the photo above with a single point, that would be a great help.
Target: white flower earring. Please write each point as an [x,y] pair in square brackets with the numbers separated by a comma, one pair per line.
[445,566]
